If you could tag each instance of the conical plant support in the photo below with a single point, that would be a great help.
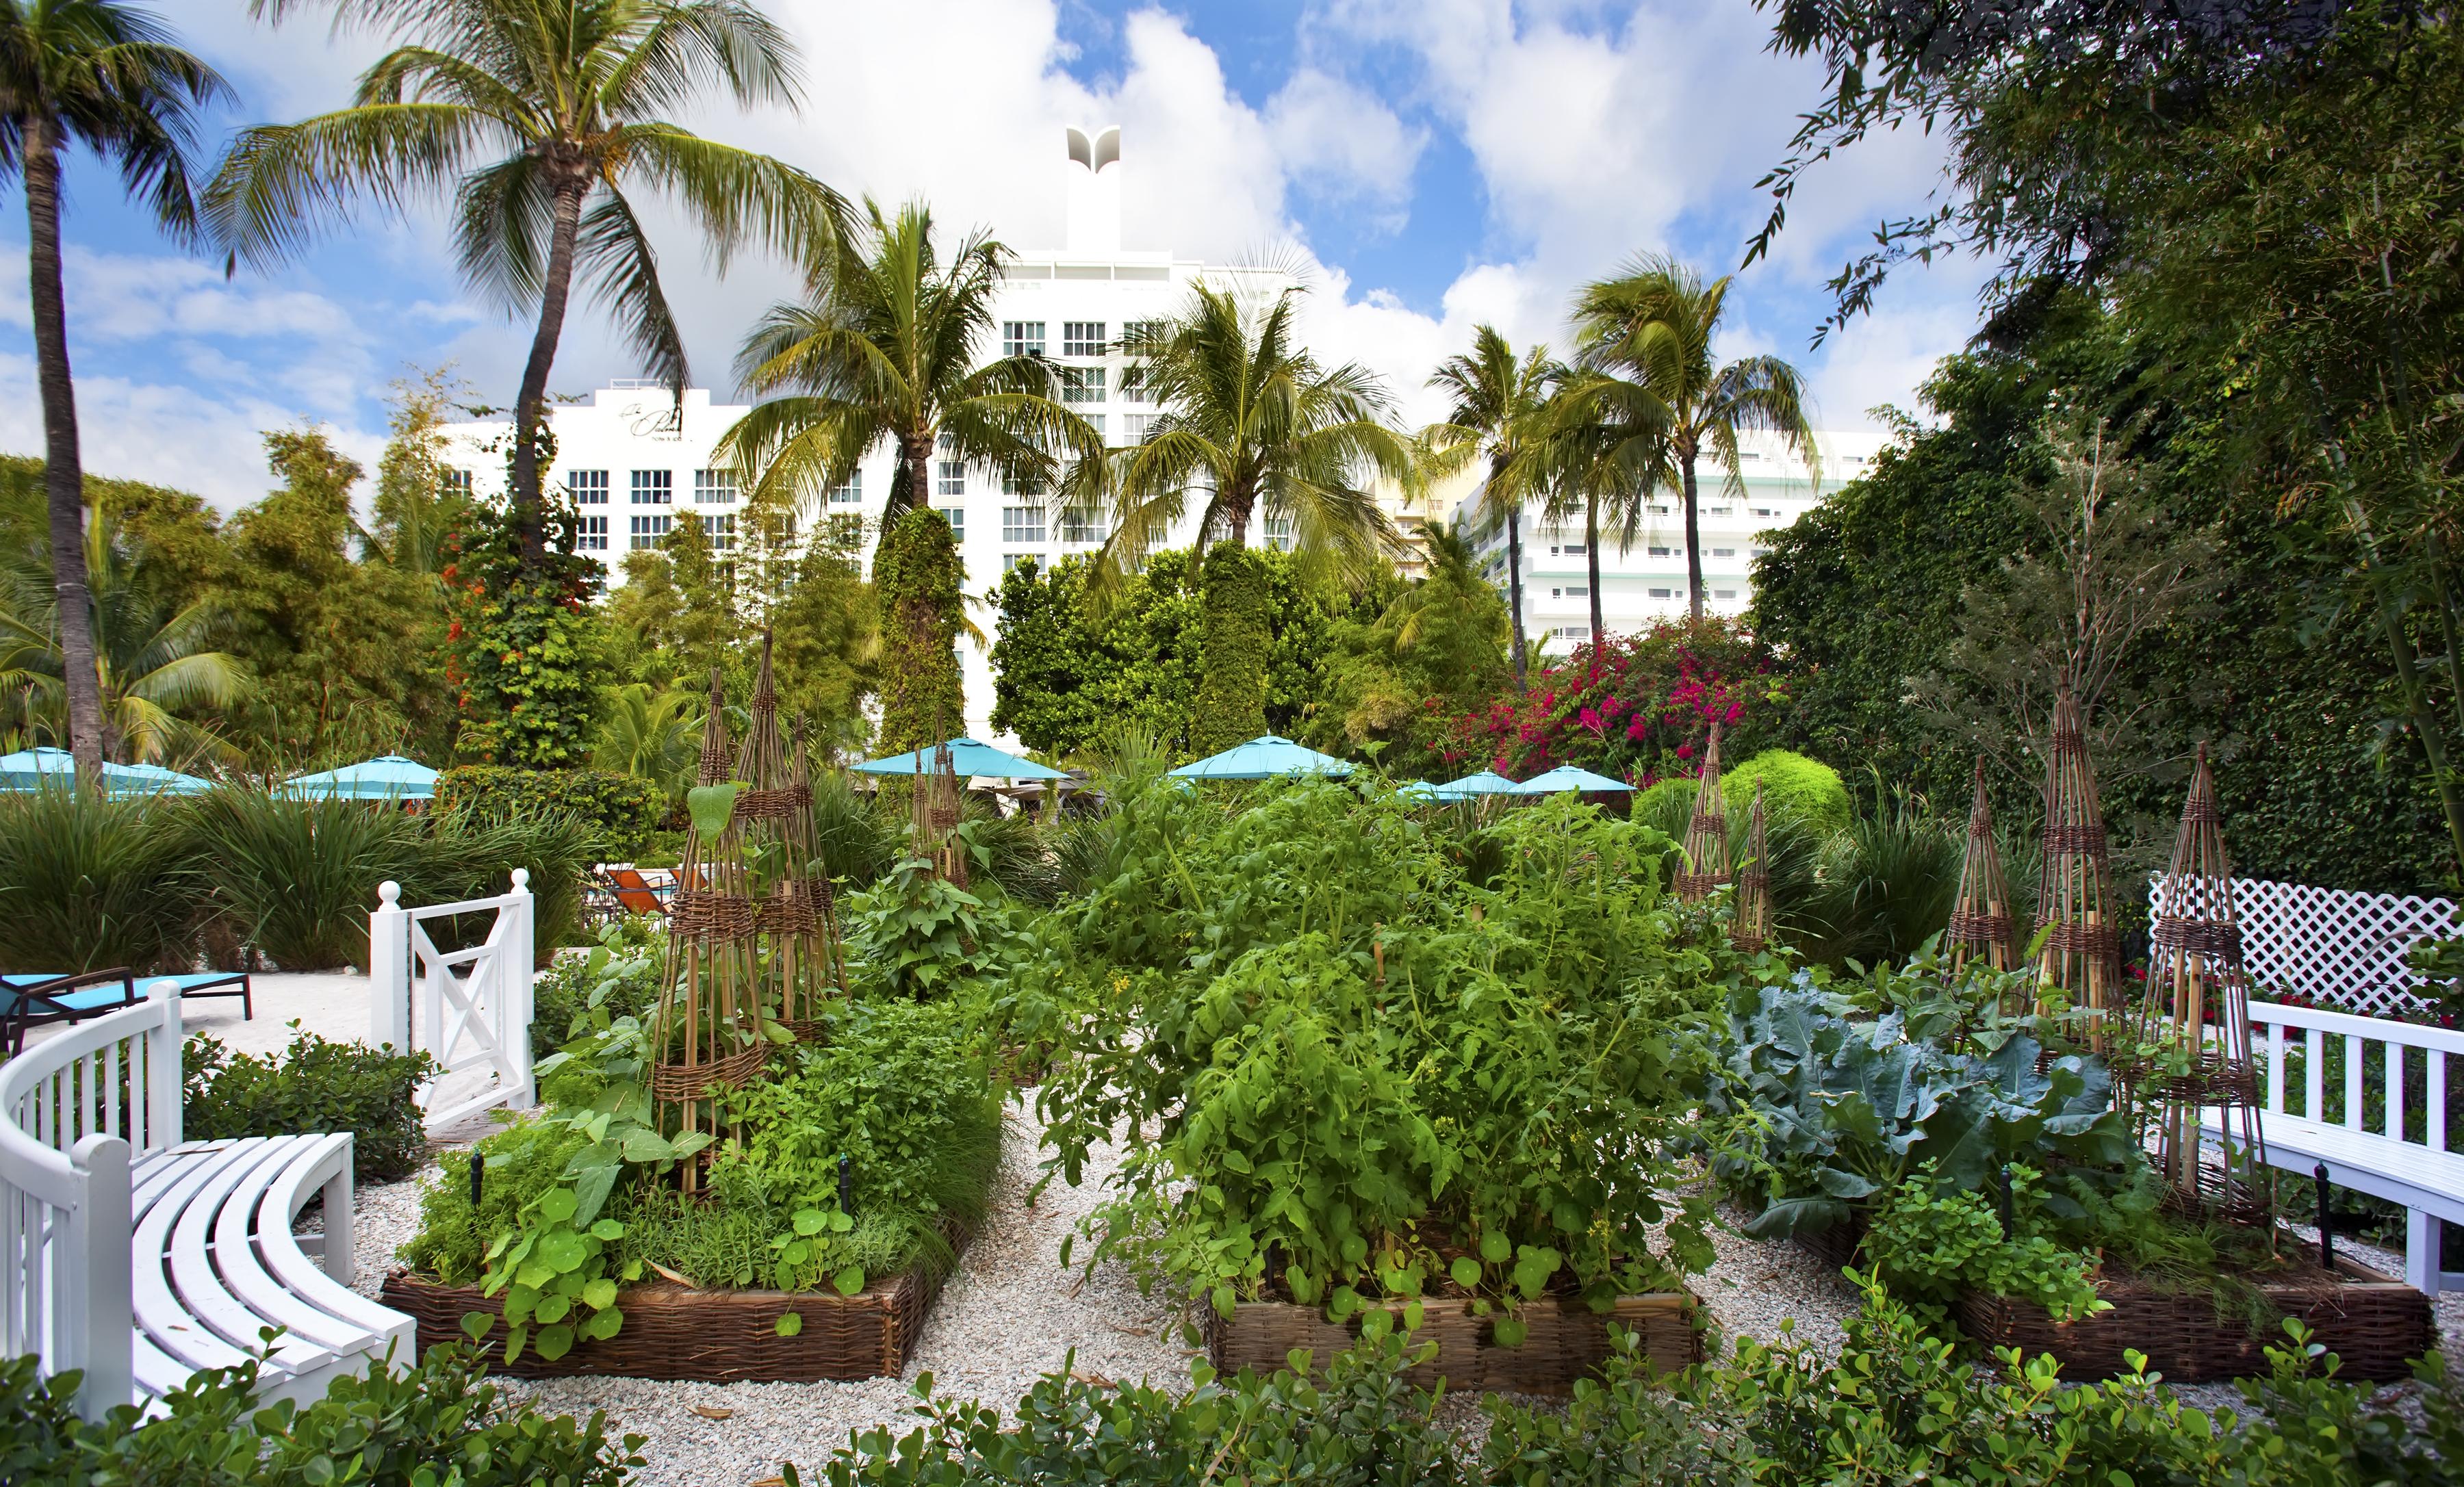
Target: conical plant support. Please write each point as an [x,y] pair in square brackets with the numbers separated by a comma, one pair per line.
[937,817]
[706,1030]
[1980,925]
[798,936]
[2193,1026]
[1706,833]
[2078,967]
[1753,931]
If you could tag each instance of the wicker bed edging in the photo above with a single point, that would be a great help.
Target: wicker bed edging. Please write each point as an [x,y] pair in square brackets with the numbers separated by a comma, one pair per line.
[1566,1340]
[675,1331]
[2375,1324]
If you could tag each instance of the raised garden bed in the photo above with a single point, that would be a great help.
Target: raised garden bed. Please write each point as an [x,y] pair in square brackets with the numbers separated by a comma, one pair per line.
[675,1331]
[2374,1324]
[1566,1341]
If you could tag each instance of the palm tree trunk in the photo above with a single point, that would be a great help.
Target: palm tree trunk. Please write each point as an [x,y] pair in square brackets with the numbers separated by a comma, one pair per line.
[63,471]
[1514,579]
[1592,556]
[1693,540]
[529,407]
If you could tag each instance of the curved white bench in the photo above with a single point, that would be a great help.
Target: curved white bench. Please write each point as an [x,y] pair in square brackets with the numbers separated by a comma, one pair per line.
[142,1272]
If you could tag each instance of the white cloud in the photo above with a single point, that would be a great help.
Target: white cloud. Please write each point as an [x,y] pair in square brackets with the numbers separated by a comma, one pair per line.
[1337,141]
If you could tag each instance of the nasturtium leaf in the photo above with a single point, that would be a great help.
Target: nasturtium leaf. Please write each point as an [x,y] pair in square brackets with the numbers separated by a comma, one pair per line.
[600,1294]
[561,1251]
[605,1325]
[1466,1271]
[811,1220]
[607,1231]
[789,1324]
[1375,1323]
[797,1252]
[848,1281]
[1510,1331]
[554,1343]
[557,1205]
[552,1308]
[840,1223]
[1495,1248]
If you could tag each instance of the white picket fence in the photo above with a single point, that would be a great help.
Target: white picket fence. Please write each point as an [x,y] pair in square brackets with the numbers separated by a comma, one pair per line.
[2334,947]
[468,1009]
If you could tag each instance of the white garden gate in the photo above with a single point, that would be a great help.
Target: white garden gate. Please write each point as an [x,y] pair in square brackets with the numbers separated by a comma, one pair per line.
[468,1009]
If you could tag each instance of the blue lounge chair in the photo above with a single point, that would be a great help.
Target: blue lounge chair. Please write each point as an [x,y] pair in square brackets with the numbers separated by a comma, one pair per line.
[29,1000]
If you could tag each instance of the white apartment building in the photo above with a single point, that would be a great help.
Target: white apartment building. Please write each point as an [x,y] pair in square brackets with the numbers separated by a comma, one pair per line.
[631,457]
[1646,581]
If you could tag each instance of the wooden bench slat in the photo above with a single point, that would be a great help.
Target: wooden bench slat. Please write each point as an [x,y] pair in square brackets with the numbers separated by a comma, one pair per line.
[250,1207]
[159,1314]
[304,1276]
[203,1291]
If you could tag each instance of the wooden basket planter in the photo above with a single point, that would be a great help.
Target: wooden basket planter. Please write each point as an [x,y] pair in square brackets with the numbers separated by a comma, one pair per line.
[684,1332]
[2374,1324]
[1566,1341]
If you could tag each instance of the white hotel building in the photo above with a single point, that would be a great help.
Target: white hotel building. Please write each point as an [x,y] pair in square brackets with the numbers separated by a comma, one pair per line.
[632,456]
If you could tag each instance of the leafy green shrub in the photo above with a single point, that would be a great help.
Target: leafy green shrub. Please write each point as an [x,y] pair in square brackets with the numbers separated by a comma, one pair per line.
[89,880]
[1930,1245]
[620,809]
[439,1422]
[1346,1044]
[618,976]
[316,1085]
[1792,785]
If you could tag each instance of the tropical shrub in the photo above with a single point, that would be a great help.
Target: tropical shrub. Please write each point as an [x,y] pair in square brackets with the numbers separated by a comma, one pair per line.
[1792,785]
[619,976]
[89,880]
[440,1421]
[523,642]
[316,1085]
[621,811]
[1344,1040]
[1636,708]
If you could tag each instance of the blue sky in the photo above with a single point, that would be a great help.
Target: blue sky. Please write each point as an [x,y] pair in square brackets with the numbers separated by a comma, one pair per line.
[1433,163]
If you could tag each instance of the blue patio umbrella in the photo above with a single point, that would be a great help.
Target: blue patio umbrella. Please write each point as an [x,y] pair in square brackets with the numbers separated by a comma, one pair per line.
[386,778]
[968,758]
[1262,758]
[30,769]
[1417,790]
[1565,778]
[1485,782]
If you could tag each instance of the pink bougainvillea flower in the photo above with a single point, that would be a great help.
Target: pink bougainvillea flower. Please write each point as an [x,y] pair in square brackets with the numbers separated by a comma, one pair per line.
[1636,728]
[1589,717]
[1685,751]
[1736,710]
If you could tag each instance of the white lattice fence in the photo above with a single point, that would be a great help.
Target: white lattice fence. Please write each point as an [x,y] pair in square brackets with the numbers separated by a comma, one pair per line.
[2334,949]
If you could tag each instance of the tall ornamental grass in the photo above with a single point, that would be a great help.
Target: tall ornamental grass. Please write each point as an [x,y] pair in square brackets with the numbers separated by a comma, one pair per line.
[88,881]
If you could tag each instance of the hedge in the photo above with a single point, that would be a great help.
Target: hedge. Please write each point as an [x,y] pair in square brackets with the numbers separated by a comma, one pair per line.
[622,810]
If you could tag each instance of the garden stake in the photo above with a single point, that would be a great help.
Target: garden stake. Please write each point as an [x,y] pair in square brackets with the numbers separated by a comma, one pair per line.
[2326,1221]
[1980,915]
[847,1187]
[2081,966]
[2006,1200]
[478,1171]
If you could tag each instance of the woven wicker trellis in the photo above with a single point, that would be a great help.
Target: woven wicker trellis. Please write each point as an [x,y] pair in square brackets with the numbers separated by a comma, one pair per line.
[2079,967]
[2194,1025]
[1706,833]
[1980,915]
[706,1030]
[1752,931]
[798,945]
[937,817]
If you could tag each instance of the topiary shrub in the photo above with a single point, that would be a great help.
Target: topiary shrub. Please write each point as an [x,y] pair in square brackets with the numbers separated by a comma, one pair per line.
[621,810]
[917,576]
[1793,784]
[1232,688]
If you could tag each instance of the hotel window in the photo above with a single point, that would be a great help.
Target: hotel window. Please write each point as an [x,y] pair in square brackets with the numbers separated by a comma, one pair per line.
[1094,420]
[714,487]
[847,528]
[1659,509]
[648,531]
[1580,634]
[1766,511]
[1011,560]
[1022,337]
[457,482]
[1724,552]
[1567,550]
[1134,385]
[654,488]
[593,536]
[1278,534]
[1021,485]
[1079,524]
[1135,426]
[1082,337]
[1664,593]
[848,491]
[1572,591]
[1138,334]
[587,487]
[1021,523]
[723,531]
[952,478]
[1719,511]
[1723,594]
[1082,384]
[957,517]
[1664,552]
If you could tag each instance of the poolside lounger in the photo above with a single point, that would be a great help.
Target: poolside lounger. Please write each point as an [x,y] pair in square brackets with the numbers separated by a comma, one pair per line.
[30,1000]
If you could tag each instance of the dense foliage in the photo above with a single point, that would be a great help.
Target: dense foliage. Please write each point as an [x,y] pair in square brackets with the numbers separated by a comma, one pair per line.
[919,575]
[440,1421]
[619,811]
[314,1086]
[1350,1026]
[523,652]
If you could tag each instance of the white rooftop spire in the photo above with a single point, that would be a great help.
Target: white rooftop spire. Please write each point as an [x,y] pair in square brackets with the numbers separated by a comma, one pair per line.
[1093,190]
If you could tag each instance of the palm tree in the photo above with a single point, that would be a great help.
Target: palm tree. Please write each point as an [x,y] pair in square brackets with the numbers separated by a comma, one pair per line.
[539,115]
[151,666]
[1251,423]
[885,347]
[1593,424]
[1498,402]
[104,76]
[654,736]
[1646,335]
